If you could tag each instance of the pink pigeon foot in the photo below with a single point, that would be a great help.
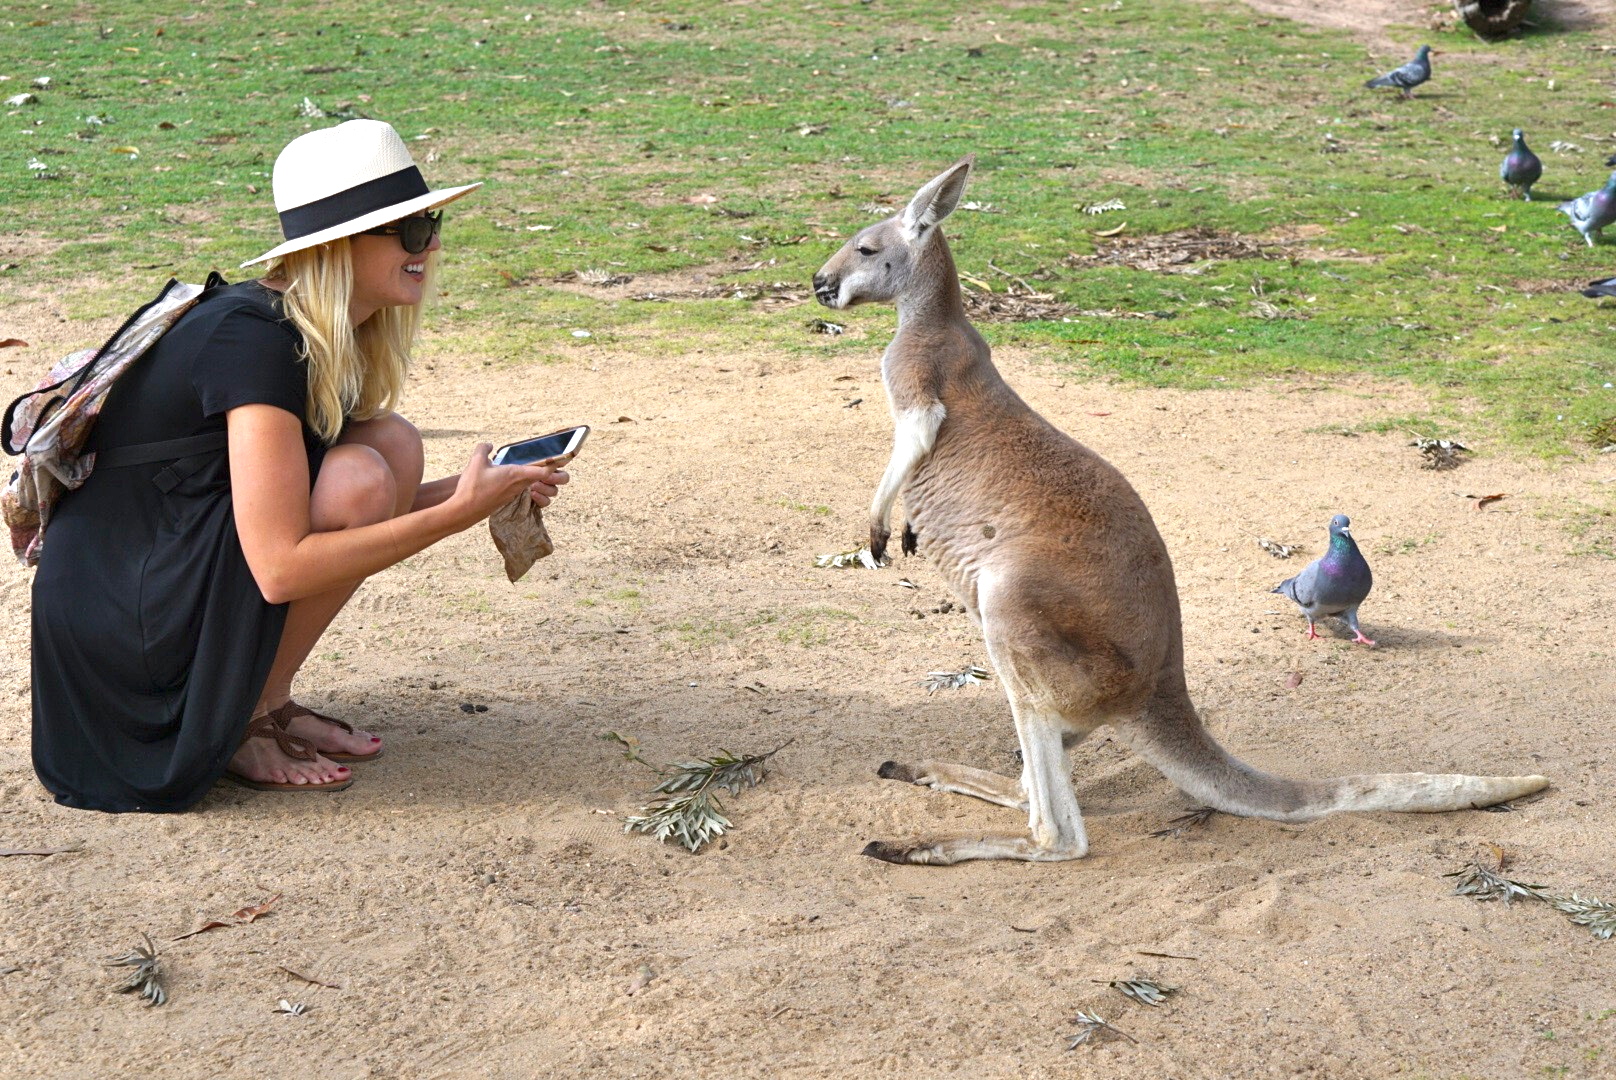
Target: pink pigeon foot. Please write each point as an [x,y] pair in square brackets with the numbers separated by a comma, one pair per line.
[1312,634]
[1361,640]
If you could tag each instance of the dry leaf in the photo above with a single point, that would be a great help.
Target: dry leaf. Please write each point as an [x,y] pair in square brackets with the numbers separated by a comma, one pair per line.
[1113,232]
[1274,548]
[1293,680]
[310,978]
[294,1010]
[248,914]
[1483,500]
[704,199]
[12,342]
[36,851]
[243,916]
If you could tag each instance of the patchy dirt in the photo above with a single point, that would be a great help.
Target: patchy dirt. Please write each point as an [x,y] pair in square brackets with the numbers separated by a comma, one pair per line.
[1178,252]
[471,906]
[1376,20]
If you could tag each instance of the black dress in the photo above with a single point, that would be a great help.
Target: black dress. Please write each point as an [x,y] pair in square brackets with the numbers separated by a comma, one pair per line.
[151,640]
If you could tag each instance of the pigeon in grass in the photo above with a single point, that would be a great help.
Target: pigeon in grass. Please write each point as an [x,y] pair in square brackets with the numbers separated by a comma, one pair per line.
[1521,168]
[1407,77]
[1334,584]
[1596,289]
[1593,211]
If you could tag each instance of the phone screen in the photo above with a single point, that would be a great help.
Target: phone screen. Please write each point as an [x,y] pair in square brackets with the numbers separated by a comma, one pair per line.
[531,450]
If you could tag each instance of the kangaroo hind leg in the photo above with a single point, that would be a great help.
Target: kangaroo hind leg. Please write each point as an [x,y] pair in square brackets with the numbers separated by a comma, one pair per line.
[958,779]
[1055,823]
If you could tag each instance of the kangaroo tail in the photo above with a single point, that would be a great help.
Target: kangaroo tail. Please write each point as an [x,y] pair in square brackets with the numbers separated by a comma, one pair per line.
[1172,738]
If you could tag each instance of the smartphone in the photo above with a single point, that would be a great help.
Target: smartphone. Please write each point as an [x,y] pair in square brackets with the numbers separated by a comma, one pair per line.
[556,448]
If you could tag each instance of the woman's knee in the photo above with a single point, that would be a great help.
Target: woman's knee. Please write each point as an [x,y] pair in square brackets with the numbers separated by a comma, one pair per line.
[396,439]
[355,487]
[399,443]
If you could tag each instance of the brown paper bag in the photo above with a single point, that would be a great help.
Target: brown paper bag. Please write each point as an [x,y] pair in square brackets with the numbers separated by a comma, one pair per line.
[519,533]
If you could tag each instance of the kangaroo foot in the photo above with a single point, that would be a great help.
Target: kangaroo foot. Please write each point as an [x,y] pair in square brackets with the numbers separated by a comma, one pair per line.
[948,852]
[959,779]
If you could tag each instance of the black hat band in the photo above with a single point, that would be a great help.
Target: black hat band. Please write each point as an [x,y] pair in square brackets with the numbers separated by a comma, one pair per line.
[353,203]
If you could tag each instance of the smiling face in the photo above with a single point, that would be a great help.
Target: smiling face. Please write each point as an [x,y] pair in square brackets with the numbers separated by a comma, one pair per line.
[385,275]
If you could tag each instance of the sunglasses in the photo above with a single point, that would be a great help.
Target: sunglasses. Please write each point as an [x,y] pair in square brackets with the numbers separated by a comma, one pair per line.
[415,233]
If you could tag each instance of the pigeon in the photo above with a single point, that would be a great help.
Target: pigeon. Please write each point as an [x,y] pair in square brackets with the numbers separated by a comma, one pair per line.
[1596,289]
[1407,77]
[1521,168]
[1334,584]
[1593,211]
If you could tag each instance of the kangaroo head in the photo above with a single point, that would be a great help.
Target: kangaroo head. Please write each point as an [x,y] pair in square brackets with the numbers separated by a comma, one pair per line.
[883,261]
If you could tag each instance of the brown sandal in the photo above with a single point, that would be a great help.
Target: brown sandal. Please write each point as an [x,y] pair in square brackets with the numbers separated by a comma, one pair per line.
[299,749]
[284,715]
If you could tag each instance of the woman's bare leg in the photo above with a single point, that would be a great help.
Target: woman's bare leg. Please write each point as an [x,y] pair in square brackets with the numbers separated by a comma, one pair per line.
[371,475]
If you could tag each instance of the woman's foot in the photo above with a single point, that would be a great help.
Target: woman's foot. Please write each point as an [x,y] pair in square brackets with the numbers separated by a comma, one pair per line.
[333,738]
[270,758]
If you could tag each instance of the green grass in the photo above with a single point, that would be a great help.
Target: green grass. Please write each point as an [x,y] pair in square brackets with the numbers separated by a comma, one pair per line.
[1409,262]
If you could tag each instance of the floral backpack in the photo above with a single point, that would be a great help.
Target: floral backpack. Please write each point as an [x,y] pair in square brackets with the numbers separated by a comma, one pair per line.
[48,425]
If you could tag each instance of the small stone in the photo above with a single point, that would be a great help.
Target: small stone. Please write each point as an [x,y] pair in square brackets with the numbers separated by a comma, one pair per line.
[467,707]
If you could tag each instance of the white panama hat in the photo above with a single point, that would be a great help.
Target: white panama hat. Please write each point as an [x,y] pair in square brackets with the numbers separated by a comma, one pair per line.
[342,180]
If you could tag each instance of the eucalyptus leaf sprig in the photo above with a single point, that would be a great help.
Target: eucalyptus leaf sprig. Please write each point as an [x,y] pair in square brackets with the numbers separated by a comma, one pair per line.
[1599,916]
[1088,1026]
[689,810]
[1482,883]
[147,977]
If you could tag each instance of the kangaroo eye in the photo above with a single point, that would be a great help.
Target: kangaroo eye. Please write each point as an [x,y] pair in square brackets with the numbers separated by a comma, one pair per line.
[865,249]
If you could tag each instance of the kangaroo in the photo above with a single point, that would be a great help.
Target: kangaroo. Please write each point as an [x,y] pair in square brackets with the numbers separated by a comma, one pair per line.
[1059,563]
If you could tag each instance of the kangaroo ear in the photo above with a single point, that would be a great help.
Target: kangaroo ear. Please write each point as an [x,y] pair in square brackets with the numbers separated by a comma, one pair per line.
[936,200]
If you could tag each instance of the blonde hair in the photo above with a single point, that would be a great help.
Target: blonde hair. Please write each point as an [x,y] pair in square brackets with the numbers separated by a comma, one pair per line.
[355,372]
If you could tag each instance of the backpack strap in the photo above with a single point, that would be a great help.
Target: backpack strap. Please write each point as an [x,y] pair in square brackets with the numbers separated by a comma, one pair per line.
[184,457]
[214,281]
[121,457]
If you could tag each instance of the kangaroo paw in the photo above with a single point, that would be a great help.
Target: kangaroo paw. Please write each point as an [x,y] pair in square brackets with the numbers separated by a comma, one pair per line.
[892,853]
[911,540]
[879,535]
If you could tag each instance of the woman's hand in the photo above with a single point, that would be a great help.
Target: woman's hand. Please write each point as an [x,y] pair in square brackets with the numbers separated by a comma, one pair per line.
[484,487]
[545,487]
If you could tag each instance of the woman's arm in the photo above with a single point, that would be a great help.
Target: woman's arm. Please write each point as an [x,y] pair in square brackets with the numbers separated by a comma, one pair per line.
[270,491]
[433,492]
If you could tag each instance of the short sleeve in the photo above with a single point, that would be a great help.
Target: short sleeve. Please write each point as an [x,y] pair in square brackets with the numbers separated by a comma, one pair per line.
[250,358]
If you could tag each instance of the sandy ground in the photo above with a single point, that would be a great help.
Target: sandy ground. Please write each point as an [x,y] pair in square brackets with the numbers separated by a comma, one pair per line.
[476,900]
